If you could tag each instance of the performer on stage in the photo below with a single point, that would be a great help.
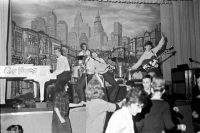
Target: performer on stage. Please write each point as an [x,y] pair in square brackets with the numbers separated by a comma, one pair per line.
[84,51]
[97,65]
[148,54]
[62,71]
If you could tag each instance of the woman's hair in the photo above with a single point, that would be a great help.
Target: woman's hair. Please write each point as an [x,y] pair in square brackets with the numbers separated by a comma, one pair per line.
[136,95]
[94,90]
[158,83]
[60,87]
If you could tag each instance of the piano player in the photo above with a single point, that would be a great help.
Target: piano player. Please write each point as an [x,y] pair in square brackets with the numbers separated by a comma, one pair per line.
[62,72]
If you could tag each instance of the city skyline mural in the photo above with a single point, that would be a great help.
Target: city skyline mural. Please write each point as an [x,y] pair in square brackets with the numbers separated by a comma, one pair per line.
[101,25]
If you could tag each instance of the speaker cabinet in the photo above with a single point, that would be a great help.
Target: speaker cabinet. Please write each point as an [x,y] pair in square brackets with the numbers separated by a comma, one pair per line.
[182,81]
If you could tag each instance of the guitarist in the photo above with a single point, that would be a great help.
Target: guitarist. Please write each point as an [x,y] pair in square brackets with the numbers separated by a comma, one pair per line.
[96,65]
[148,54]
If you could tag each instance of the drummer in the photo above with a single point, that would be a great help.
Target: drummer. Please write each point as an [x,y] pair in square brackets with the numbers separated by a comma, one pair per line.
[84,52]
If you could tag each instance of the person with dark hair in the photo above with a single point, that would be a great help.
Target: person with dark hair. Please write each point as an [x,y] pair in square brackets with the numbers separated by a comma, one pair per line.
[146,82]
[61,106]
[84,52]
[158,119]
[96,65]
[121,121]
[196,104]
[62,73]
[15,129]
[145,60]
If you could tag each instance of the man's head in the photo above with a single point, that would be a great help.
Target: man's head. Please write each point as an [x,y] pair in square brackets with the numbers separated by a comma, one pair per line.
[146,82]
[15,129]
[148,46]
[136,99]
[94,90]
[158,85]
[83,46]
[58,52]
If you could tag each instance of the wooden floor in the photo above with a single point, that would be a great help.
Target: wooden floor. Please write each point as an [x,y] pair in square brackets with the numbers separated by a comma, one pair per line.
[40,121]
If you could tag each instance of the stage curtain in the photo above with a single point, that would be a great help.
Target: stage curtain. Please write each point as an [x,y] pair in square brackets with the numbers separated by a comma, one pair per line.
[4,4]
[180,21]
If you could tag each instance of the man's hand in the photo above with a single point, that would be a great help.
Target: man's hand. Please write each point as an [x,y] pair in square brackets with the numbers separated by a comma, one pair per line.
[176,109]
[82,103]
[62,120]
[195,114]
[198,96]
[131,68]
[181,127]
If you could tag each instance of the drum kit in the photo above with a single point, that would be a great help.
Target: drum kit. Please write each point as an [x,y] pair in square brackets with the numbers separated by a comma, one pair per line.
[77,70]
[121,71]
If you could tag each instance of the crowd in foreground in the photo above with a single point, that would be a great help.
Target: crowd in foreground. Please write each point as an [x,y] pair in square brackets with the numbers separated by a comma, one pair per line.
[154,115]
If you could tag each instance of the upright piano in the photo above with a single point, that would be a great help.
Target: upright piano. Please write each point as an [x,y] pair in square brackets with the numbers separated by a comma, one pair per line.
[40,74]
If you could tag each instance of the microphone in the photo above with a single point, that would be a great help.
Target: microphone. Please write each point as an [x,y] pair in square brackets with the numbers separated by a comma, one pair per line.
[27,59]
[190,59]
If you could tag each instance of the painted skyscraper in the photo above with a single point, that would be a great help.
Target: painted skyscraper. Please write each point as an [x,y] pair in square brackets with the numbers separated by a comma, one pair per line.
[38,24]
[80,29]
[51,24]
[116,35]
[98,28]
[99,38]
[62,32]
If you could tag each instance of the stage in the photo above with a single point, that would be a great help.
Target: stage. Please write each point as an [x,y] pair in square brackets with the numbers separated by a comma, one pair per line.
[38,120]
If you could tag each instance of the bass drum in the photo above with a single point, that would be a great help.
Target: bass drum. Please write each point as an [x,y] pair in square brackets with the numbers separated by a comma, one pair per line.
[76,72]
[119,71]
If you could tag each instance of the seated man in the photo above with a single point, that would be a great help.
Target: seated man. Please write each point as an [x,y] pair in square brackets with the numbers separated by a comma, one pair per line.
[62,73]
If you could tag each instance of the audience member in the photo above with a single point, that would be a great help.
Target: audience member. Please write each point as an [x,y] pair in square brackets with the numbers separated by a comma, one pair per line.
[159,117]
[15,129]
[196,104]
[121,121]
[96,107]
[61,105]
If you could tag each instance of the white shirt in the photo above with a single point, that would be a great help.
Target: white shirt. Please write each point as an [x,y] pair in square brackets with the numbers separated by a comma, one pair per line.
[97,65]
[149,54]
[121,122]
[62,65]
[84,53]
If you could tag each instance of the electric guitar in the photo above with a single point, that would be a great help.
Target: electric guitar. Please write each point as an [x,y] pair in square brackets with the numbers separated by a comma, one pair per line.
[153,62]
[93,66]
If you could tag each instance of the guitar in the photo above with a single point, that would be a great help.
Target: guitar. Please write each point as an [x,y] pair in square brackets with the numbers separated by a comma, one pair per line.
[153,62]
[93,66]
